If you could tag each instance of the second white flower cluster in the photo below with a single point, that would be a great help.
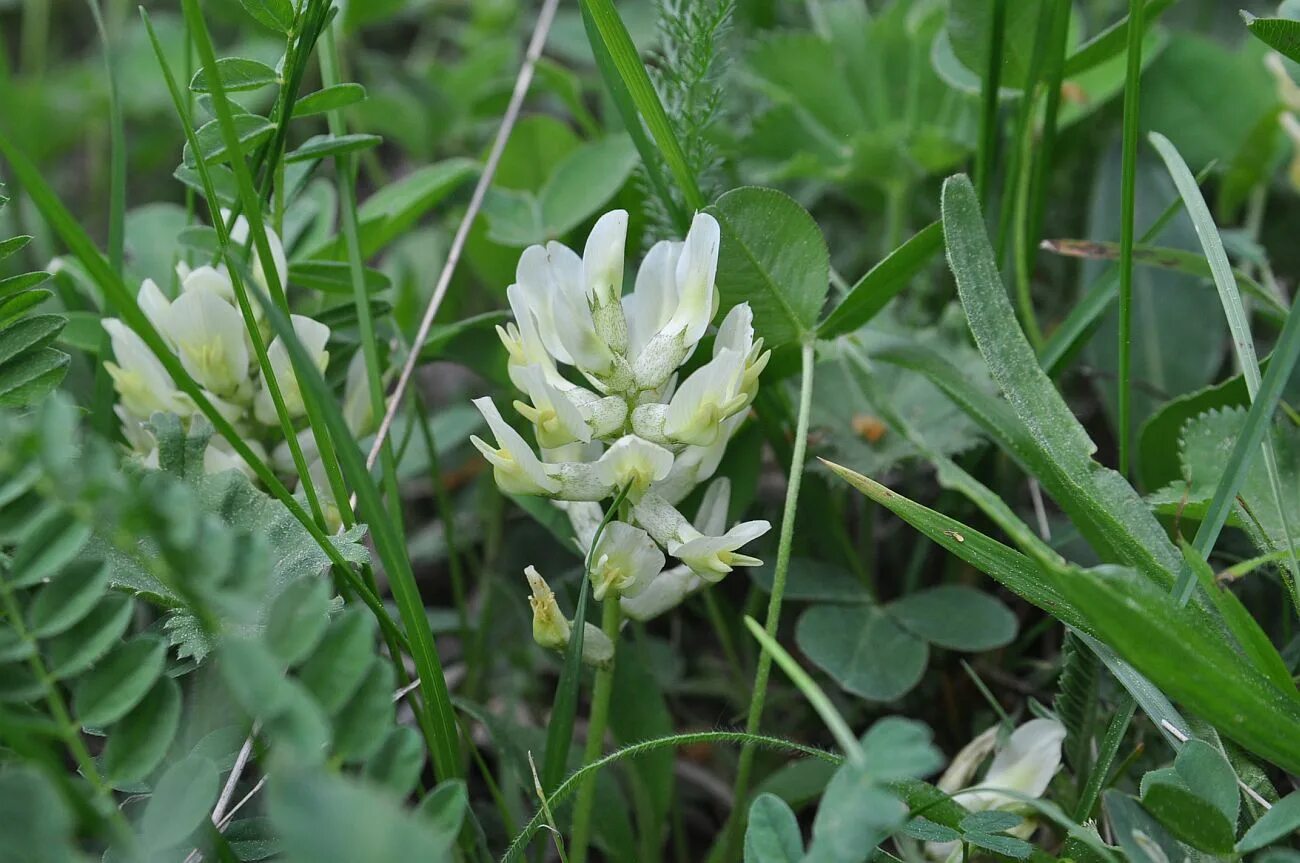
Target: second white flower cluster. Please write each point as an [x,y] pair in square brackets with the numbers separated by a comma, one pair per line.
[599,372]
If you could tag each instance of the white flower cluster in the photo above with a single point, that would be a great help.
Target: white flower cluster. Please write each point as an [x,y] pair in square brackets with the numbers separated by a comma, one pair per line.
[630,423]
[204,328]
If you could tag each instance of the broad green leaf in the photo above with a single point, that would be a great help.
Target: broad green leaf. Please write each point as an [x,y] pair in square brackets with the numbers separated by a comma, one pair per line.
[864,649]
[78,648]
[1100,502]
[237,74]
[896,748]
[119,681]
[276,14]
[773,256]
[1280,34]
[1189,817]
[251,129]
[339,664]
[180,802]
[1159,463]
[297,620]
[300,729]
[956,617]
[772,834]
[882,283]
[326,818]
[138,743]
[1282,820]
[329,99]
[1208,774]
[331,146]
[359,727]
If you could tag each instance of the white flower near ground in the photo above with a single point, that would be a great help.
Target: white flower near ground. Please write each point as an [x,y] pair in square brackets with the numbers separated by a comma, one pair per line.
[551,629]
[712,557]
[208,333]
[142,384]
[515,466]
[1023,765]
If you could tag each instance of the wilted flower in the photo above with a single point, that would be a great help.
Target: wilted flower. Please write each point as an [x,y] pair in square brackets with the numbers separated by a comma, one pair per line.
[631,426]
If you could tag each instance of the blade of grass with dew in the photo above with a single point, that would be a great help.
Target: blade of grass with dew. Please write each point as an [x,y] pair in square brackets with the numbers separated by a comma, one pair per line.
[740,790]
[102,416]
[437,718]
[1069,336]
[1114,518]
[603,21]
[1238,325]
[564,706]
[1128,209]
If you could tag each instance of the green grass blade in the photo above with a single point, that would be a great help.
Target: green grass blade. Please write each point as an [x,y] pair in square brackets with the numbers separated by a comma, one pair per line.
[1238,325]
[839,728]
[607,28]
[882,283]
[986,157]
[564,707]
[1196,665]
[1111,41]
[437,718]
[121,302]
[1128,209]
[1102,504]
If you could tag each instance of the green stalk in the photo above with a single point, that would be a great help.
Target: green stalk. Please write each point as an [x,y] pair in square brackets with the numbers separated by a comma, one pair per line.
[610,617]
[1021,256]
[1105,757]
[237,281]
[345,168]
[35,36]
[102,415]
[741,790]
[1128,187]
[1047,143]
[987,155]
[446,512]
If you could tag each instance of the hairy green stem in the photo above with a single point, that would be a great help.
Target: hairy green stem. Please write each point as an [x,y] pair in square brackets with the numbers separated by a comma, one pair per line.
[610,617]
[733,832]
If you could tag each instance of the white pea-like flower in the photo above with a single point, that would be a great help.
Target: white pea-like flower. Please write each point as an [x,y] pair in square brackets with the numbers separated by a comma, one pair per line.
[515,466]
[625,561]
[642,425]
[208,333]
[142,384]
[712,557]
[313,335]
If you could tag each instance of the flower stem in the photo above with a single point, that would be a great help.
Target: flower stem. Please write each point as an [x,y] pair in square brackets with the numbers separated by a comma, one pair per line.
[610,618]
[731,837]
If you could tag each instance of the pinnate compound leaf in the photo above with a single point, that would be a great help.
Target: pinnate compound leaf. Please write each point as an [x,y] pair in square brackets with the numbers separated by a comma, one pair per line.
[180,802]
[1280,34]
[237,74]
[119,681]
[139,742]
